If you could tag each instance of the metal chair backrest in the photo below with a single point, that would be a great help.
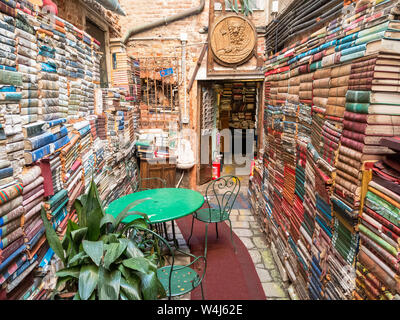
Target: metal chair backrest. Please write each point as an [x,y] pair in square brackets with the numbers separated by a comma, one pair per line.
[171,252]
[221,194]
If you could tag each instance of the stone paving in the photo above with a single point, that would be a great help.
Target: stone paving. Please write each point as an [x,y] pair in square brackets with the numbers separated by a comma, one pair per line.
[248,230]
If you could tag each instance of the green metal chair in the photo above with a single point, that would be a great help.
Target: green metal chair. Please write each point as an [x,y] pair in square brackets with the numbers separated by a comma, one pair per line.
[177,280]
[220,197]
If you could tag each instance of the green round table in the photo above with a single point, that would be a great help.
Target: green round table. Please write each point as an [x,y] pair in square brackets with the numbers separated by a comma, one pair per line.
[164,205]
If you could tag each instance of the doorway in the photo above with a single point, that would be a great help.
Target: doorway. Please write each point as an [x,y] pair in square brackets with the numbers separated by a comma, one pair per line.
[229,126]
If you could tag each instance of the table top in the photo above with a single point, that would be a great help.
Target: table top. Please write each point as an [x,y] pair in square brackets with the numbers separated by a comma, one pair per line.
[166,204]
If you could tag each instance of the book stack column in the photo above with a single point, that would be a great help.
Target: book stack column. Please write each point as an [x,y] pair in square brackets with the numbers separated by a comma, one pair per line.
[13,95]
[377,267]
[71,167]
[10,82]
[49,106]
[75,99]
[56,211]
[27,51]
[85,150]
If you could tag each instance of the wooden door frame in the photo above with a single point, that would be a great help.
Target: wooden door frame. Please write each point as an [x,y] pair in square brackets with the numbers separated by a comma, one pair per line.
[260,109]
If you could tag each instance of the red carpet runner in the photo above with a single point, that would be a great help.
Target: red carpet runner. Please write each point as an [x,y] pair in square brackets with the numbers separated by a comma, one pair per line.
[229,276]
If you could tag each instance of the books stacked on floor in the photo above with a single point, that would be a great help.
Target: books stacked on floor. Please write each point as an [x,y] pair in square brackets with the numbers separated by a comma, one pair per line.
[48,74]
[22,235]
[347,73]
[377,267]
[86,155]
[71,168]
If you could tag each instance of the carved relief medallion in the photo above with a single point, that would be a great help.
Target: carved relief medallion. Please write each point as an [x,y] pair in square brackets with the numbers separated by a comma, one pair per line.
[232,40]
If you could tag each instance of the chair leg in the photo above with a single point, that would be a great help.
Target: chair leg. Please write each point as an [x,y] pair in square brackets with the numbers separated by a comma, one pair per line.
[202,292]
[216,229]
[205,245]
[233,243]
[191,232]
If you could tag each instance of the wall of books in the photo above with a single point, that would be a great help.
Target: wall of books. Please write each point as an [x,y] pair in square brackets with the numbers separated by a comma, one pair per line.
[52,143]
[326,184]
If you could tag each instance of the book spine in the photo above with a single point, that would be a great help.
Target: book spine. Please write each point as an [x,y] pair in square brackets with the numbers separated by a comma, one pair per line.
[358,96]
[361,87]
[33,130]
[353,135]
[354,126]
[363,81]
[356,145]
[362,64]
[367,68]
[32,156]
[368,74]
[357,107]
[353,50]
[358,117]
[46,138]
[6,172]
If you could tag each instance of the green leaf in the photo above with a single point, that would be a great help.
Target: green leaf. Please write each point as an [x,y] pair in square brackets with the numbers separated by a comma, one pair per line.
[108,218]
[52,237]
[113,252]
[71,226]
[72,271]
[151,287]
[122,296]
[124,213]
[80,207]
[131,289]
[139,264]
[93,223]
[79,257]
[90,211]
[94,249]
[88,279]
[109,284]
[62,280]
[78,235]
[132,251]
[77,297]
[130,283]
[136,223]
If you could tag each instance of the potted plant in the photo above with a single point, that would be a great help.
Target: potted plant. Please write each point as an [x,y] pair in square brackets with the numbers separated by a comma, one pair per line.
[100,261]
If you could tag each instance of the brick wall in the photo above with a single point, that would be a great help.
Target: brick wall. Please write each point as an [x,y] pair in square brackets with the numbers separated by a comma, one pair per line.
[75,12]
[145,11]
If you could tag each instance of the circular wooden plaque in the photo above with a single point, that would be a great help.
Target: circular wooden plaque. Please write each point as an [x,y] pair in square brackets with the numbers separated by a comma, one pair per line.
[232,40]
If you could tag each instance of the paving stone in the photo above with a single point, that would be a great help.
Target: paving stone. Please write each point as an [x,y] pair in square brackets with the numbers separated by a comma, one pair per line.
[264,275]
[240,224]
[259,242]
[243,232]
[268,259]
[247,242]
[245,212]
[275,274]
[273,289]
[245,218]
[255,256]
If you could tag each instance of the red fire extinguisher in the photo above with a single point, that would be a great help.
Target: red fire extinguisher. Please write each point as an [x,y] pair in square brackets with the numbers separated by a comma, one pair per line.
[216,168]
